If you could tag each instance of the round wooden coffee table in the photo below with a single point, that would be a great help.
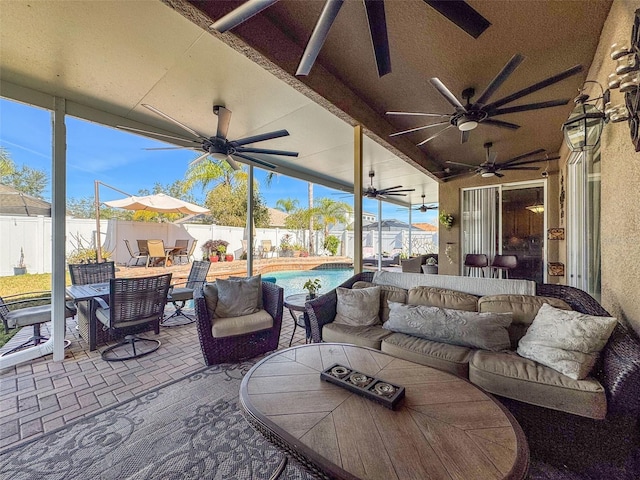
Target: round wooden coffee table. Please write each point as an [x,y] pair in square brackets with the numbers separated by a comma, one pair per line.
[444,428]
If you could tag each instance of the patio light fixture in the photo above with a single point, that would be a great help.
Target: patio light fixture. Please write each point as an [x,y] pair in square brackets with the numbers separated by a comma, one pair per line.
[584,126]
[537,207]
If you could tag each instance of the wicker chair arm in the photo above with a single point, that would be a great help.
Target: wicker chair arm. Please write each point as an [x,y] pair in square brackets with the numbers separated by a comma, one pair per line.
[322,310]
[273,303]
[620,372]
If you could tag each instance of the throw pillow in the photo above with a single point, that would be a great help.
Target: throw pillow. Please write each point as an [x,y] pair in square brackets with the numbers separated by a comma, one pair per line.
[566,341]
[388,294]
[487,331]
[358,307]
[210,293]
[245,278]
[238,297]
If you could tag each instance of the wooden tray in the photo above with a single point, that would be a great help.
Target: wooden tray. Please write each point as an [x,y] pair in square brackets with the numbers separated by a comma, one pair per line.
[376,389]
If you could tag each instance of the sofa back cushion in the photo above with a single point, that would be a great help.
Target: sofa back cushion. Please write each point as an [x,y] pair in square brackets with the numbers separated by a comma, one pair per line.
[239,297]
[487,331]
[442,297]
[388,293]
[358,307]
[524,309]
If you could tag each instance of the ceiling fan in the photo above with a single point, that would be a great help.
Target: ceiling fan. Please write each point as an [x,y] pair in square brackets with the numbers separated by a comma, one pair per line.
[458,12]
[490,167]
[467,117]
[425,208]
[218,146]
[397,191]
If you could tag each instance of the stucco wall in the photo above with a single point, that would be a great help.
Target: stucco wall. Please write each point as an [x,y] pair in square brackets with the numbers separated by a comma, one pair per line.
[620,184]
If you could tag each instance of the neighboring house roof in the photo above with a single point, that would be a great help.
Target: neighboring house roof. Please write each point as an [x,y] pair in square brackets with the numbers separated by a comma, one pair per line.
[276,217]
[427,227]
[14,202]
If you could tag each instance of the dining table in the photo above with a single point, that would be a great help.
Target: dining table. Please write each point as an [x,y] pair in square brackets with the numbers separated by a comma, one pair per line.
[87,321]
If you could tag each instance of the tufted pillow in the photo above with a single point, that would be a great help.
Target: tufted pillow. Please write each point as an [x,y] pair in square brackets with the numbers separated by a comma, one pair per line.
[487,331]
[566,341]
[442,297]
[359,307]
[238,297]
[388,293]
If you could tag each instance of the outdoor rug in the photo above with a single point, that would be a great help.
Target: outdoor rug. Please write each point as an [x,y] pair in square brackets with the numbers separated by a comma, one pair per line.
[189,429]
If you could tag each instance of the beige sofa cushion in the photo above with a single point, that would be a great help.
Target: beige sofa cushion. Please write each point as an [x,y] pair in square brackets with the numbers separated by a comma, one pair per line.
[388,293]
[450,358]
[228,327]
[509,375]
[442,297]
[363,336]
[523,307]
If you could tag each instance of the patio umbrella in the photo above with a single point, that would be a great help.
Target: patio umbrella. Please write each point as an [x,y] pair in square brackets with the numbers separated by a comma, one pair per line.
[157,203]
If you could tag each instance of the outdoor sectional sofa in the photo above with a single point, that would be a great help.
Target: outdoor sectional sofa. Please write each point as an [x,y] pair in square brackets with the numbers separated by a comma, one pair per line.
[591,425]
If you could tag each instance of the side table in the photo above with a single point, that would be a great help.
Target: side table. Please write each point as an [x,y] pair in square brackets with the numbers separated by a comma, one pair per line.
[295,303]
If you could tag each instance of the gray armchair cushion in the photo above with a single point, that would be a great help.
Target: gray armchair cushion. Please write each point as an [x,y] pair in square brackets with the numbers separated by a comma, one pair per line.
[29,316]
[239,297]
[358,307]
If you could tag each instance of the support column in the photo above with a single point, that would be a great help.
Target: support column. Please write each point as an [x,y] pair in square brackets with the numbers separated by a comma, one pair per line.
[59,193]
[357,199]
[250,223]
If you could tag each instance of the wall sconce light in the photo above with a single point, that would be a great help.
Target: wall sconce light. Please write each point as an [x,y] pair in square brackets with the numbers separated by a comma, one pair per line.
[584,126]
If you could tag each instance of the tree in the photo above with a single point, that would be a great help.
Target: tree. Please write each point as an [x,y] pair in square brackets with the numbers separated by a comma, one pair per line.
[288,205]
[24,178]
[330,212]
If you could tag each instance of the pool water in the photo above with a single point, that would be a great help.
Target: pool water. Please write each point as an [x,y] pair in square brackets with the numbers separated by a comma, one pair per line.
[292,281]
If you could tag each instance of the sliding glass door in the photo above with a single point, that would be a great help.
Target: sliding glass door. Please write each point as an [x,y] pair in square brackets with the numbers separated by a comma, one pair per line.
[507,219]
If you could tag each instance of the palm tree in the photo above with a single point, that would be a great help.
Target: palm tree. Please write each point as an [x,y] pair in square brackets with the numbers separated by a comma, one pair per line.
[288,205]
[329,212]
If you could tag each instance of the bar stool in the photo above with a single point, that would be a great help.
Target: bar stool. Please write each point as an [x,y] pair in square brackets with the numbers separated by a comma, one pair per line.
[503,262]
[476,260]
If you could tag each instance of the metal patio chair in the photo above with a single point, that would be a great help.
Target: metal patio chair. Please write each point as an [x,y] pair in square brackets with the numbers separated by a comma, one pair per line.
[188,254]
[157,251]
[181,295]
[134,255]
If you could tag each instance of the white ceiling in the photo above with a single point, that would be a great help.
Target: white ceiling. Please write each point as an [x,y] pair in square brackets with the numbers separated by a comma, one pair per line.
[114,56]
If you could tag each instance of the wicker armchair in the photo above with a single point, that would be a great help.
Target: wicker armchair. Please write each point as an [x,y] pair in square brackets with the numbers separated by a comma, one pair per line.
[234,348]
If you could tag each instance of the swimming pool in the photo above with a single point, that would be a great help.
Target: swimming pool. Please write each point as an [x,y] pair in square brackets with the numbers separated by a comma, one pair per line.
[292,281]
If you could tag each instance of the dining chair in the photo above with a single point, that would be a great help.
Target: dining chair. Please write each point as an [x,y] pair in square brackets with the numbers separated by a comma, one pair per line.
[502,263]
[16,313]
[157,251]
[184,252]
[135,305]
[143,248]
[134,255]
[179,296]
[476,260]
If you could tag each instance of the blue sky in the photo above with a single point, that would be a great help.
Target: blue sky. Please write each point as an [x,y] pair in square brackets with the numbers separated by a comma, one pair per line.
[119,158]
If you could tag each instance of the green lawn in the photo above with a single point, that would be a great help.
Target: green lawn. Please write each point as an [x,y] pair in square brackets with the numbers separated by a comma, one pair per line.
[20,287]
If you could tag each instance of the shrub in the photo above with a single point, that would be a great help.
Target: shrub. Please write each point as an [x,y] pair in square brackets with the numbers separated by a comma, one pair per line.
[331,243]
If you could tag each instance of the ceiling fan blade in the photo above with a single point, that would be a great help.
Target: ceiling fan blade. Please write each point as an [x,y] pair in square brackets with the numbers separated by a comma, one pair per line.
[419,114]
[232,163]
[170,148]
[512,167]
[387,191]
[319,35]
[417,129]
[461,164]
[267,151]
[506,71]
[500,123]
[390,188]
[498,174]
[446,93]
[199,159]
[455,175]
[527,162]
[392,194]
[224,118]
[259,138]
[535,87]
[462,15]
[464,136]
[262,163]
[529,106]
[174,121]
[241,14]
[146,132]
[434,136]
[524,155]
[378,31]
